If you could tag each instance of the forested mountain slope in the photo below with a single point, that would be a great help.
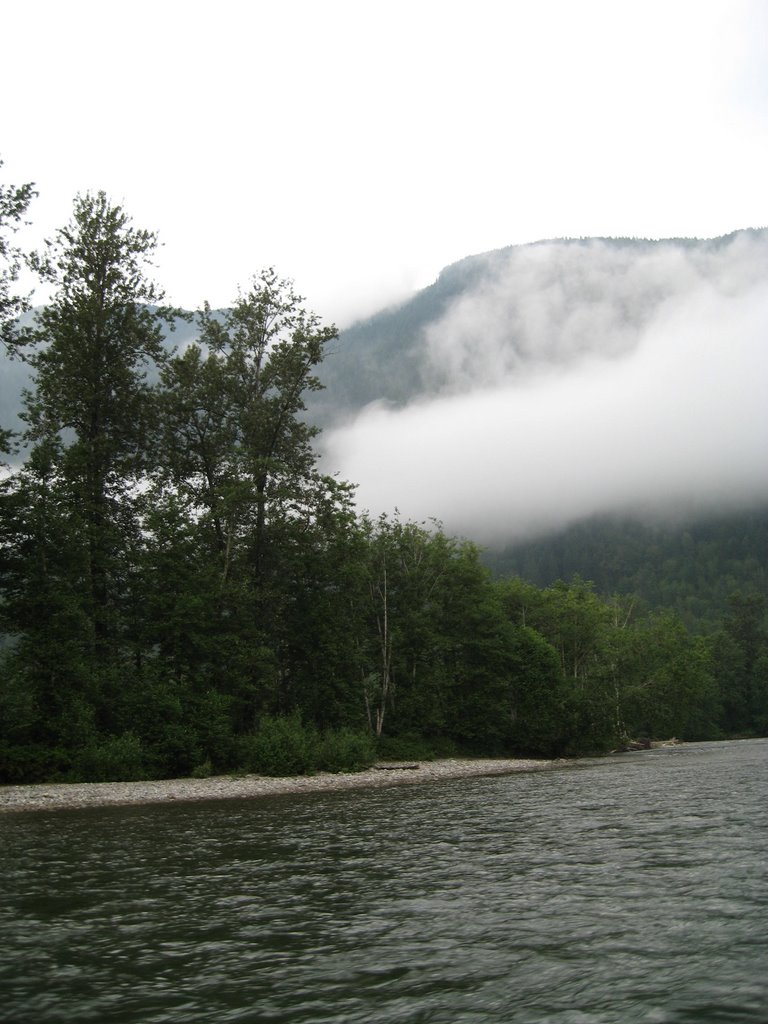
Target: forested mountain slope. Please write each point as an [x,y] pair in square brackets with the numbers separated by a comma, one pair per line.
[550,328]
[524,308]
[692,568]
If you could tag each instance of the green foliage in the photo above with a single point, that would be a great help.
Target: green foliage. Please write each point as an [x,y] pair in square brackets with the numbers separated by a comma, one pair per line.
[183,592]
[740,665]
[237,504]
[539,704]
[282,746]
[33,762]
[204,770]
[114,759]
[691,569]
[410,746]
[668,688]
[285,746]
[70,522]
[345,750]
[434,659]
[14,203]
[620,674]
[580,712]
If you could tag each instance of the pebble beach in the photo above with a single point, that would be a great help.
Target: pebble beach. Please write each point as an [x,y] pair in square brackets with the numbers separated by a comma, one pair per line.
[64,796]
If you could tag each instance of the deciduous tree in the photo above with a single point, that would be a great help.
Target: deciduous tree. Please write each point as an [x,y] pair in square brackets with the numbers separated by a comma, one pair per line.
[235,459]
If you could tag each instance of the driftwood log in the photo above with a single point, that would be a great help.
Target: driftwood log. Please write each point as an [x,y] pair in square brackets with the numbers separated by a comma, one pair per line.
[394,767]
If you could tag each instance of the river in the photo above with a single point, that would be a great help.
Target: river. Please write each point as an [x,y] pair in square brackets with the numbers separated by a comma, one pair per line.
[632,888]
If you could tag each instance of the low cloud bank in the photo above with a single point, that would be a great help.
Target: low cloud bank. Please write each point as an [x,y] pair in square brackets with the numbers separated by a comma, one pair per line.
[616,380]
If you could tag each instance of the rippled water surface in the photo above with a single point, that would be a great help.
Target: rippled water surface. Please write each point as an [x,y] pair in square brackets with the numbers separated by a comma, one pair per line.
[633,888]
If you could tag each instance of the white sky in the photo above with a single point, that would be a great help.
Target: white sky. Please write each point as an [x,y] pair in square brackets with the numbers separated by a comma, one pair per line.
[361,146]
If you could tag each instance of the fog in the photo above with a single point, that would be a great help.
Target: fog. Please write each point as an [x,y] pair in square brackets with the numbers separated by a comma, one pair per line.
[580,379]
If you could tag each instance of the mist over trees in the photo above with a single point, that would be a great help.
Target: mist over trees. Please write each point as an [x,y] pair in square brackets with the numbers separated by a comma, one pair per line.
[536,387]
[185,591]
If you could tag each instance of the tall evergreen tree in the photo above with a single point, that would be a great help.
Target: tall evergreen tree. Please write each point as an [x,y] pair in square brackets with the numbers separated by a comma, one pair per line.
[741,665]
[14,203]
[87,418]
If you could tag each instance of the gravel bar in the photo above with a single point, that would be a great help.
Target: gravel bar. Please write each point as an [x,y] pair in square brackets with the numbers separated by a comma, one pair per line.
[64,796]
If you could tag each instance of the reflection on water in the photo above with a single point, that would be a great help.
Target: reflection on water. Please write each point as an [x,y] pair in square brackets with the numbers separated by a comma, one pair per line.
[632,888]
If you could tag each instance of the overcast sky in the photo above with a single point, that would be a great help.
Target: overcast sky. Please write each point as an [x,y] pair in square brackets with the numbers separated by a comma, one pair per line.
[359,147]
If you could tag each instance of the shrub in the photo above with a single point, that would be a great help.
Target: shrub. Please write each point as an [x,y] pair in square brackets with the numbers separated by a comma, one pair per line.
[213,724]
[204,770]
[282,746]
[345,750]
[115,759]
[32,762]
[410,747]
[177,751]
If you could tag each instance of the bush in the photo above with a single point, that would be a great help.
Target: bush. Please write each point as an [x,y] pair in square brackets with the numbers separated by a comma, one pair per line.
[345,750]
[413,747]
[286,746]
[32,762]
[116,759]
[282,746]
[177,751]
[213,724]
[204,770]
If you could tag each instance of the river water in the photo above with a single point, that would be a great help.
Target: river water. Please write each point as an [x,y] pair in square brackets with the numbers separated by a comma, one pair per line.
[631,888]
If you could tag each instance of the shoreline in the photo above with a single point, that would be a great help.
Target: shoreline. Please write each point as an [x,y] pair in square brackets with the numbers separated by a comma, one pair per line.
[78,795]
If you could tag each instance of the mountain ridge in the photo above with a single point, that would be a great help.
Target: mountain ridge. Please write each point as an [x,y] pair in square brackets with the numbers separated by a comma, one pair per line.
[380,358]
[589,307]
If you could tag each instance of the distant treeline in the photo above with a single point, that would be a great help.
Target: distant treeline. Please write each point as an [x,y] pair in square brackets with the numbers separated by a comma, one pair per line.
[692,568]
[184,592]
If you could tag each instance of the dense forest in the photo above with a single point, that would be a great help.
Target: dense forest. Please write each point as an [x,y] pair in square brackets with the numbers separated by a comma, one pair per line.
[691,567]
[184,592]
